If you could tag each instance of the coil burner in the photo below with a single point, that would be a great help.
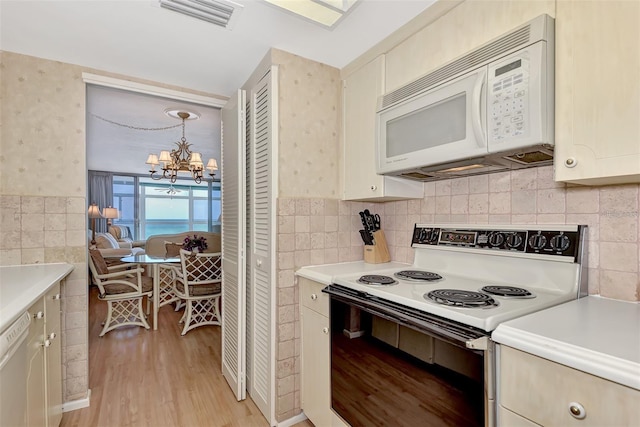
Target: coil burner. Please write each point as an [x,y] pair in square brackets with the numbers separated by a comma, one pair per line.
[460,298]
[418,275]
[507,291]
[376,279]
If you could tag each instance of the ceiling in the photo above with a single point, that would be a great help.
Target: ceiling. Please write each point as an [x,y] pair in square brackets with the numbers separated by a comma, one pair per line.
[137,38]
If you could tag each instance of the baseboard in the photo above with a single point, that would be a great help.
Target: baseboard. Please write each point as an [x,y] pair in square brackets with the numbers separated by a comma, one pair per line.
[77,404]
[293,420]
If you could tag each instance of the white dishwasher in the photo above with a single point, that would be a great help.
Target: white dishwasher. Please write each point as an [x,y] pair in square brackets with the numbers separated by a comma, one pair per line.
[13,372]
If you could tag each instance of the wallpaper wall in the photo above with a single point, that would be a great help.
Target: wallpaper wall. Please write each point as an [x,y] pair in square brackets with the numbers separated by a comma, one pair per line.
[309,105]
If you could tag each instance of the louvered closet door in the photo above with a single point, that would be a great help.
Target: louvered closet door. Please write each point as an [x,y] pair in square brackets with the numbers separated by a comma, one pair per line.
[233,249]
[262,244]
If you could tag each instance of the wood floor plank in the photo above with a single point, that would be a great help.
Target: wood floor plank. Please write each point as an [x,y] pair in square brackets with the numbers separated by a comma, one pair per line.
[142,377]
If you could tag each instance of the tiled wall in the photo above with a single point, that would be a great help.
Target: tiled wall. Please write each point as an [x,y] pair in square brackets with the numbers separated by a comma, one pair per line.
[322,231]
[51,229]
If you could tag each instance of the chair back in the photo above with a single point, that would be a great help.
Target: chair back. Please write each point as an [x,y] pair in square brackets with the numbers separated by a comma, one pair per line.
[200,268]
[122,282]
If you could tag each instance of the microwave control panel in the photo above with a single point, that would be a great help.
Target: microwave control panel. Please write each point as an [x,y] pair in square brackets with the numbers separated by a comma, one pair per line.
[533,241]
[508,98]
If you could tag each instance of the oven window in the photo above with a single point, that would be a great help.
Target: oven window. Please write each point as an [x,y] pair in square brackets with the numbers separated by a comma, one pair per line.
[383,373]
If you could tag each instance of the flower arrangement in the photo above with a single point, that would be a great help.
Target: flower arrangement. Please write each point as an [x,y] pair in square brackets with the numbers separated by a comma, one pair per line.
[195,242]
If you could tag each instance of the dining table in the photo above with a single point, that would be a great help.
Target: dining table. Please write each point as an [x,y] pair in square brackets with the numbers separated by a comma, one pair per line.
[162,286]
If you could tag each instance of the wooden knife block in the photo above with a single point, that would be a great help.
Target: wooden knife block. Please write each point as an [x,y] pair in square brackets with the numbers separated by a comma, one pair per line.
[378,252]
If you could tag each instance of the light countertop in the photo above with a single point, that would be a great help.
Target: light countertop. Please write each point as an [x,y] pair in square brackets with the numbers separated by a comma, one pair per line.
[596,335]
[22,285]
[325,273]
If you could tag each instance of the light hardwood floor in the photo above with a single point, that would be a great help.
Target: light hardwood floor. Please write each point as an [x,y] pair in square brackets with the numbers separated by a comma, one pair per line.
[144,377]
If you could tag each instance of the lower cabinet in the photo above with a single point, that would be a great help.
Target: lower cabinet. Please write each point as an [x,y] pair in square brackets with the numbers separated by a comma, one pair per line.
[315,353]
[536,391]
[36,398]
[44,353]
[53,355]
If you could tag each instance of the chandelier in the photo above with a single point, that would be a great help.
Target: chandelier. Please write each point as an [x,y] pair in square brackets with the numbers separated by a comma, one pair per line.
[180,159]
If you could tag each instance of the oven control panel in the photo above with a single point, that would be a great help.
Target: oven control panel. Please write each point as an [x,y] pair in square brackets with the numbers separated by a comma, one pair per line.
[530,241]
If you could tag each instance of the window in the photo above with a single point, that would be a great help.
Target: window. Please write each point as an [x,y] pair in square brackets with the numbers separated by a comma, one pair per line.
[152,207]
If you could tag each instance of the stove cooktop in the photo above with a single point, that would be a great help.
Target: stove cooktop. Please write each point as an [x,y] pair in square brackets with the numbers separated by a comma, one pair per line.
[509,283]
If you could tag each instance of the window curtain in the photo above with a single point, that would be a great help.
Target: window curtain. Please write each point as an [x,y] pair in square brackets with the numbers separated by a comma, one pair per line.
[101,193]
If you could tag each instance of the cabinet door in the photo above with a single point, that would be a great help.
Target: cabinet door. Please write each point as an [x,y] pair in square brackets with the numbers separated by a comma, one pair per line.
[316,369]
[551,394]
[597,91]
[36,399]
[360,181]
[53,356]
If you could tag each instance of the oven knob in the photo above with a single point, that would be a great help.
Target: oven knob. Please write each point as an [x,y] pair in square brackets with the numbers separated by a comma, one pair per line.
[496,238]
[560,242]
[433,235]
[514,240]
[537,241]
[422,235]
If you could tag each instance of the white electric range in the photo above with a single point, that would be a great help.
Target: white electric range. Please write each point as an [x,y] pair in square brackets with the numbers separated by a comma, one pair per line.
[464,281]
[482,275]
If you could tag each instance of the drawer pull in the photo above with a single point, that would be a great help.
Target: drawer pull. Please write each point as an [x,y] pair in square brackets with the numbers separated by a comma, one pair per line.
[52,335]
[325,330]
[314,297]
[577,411]
[56,297]
[47,343]
[39,315]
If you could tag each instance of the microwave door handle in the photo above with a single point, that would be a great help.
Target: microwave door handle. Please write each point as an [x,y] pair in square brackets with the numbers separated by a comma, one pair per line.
[478,108]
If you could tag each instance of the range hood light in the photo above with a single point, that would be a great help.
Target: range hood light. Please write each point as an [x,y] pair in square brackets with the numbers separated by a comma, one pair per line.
[462,168]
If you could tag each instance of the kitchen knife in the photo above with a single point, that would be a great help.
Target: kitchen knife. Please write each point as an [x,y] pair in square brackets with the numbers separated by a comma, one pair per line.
[366,237]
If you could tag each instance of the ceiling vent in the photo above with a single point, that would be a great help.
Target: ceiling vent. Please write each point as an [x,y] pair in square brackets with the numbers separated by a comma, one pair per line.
[220,12]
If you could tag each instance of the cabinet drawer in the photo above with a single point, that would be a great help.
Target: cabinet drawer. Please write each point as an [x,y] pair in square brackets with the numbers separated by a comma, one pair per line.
[311,296]
[544,392]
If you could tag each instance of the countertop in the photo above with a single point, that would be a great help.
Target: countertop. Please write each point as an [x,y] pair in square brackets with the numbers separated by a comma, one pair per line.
[22,285]
[596,335]
[326,272]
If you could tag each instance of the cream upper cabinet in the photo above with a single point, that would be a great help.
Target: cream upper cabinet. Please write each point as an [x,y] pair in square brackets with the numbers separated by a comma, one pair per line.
[550,394]
[360,181]
[597,92]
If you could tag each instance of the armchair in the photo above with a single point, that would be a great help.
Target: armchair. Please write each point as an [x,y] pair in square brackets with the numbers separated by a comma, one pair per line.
[122,290]
[111,248]
[122,234]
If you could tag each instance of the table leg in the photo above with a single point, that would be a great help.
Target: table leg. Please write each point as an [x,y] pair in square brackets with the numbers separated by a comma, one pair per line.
[156,294]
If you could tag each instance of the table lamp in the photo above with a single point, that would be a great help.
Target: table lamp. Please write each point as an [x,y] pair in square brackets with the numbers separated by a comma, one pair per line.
[110,213]
[93,213]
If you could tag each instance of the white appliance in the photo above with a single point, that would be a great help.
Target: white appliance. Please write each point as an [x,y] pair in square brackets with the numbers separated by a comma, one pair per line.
[489,110]
[13,372]
[465,280]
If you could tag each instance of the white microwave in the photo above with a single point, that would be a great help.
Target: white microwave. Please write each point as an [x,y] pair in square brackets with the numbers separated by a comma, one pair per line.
[490,110]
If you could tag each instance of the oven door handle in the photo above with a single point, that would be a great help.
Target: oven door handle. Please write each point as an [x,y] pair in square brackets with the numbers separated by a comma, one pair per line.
[460,335]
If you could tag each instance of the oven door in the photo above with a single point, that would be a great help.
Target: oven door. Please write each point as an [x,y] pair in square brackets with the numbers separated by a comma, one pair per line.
[394,365]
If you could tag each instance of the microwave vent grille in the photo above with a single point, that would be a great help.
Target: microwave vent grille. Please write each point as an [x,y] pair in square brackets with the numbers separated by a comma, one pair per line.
[478,57]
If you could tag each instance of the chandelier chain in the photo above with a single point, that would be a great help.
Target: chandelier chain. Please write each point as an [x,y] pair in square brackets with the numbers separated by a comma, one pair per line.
[136,127]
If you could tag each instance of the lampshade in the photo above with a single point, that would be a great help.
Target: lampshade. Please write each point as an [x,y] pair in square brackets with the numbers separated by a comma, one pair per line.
[165,156]
[152,159]
[94,212]
[110,213]
[212,165]
[196,159]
